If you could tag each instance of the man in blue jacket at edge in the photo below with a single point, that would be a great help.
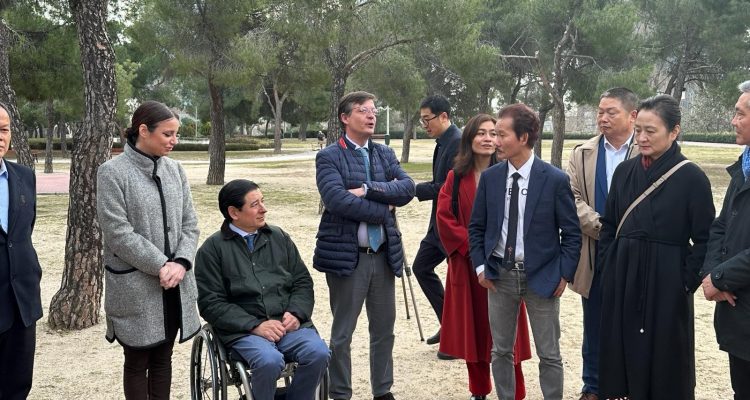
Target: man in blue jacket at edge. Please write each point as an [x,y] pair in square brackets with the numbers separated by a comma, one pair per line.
[358,245]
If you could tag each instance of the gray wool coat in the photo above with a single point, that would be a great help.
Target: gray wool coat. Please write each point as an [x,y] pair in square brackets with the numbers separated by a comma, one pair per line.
[132,219]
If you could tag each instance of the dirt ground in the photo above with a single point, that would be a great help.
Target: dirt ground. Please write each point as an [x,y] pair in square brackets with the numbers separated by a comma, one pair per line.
[83,365]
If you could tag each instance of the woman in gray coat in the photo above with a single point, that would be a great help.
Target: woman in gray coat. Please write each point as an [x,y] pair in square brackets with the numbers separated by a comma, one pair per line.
[150,237]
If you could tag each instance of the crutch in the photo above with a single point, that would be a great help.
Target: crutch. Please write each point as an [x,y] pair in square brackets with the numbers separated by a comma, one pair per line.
[407,273]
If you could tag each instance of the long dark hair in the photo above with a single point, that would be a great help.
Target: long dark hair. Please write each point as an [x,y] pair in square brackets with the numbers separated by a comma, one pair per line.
[464,161]
[149,113]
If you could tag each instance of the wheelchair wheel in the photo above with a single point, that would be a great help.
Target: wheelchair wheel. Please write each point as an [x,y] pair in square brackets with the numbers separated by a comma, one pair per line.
[207,371]
[243,382]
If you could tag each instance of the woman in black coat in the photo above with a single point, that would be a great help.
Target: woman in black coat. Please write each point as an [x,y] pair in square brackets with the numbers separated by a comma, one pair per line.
[651,269]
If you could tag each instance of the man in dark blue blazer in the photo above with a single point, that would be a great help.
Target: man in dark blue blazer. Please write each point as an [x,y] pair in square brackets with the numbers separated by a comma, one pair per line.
[524,240]
[20,273]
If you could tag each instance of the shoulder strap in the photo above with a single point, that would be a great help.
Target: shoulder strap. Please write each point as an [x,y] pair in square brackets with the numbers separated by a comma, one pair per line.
[648,191]
[454,194]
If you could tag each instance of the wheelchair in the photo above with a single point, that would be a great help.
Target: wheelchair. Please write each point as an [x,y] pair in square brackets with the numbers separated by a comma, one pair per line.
[215,374]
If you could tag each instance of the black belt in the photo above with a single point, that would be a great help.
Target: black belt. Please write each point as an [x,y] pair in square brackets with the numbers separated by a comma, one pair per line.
[514,266]
[369,250]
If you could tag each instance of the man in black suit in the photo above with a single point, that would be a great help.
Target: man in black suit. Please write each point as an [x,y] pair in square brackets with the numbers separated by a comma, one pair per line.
[435,114]
[20,273]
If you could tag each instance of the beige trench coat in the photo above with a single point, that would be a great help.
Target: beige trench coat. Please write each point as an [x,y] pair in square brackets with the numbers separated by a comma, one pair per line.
[582,172]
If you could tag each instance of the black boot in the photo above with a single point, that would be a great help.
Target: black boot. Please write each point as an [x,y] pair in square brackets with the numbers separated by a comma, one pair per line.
[434,339]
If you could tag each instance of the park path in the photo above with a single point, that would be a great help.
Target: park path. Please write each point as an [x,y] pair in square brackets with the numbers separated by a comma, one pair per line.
[59,182]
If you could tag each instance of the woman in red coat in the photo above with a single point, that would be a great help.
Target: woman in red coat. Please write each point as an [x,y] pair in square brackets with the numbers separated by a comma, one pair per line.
[465,331]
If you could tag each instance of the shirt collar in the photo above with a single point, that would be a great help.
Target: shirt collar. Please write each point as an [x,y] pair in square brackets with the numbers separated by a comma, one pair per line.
[356,146]
[609,146]
[239,231]
[525,169]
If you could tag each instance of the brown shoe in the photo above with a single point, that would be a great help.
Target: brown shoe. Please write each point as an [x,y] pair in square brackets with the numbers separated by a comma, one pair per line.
[589,396]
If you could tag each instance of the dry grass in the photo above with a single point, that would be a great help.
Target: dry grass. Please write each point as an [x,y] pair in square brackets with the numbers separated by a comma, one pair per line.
[82,365]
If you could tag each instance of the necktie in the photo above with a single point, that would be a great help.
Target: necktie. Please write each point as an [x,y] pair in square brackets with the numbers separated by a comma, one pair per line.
[250,239]
[510,241]
[746,162]
[374,233]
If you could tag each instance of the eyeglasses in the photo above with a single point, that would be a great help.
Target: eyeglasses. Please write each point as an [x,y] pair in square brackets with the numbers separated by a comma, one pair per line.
[425,121]
[366,110]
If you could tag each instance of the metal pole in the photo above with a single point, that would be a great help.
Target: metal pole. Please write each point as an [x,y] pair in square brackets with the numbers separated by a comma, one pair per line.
[407,272]
[406,299]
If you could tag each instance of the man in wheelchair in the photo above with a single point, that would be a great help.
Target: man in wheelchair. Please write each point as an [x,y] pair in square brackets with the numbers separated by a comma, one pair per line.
[256,292]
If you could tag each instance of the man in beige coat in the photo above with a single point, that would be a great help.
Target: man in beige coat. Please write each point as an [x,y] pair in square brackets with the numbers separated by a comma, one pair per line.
[590,168]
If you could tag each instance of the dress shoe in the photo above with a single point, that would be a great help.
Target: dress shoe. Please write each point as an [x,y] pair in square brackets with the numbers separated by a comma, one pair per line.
[445,356]
[434,339]
[477,397]
[588,396]
[387,396]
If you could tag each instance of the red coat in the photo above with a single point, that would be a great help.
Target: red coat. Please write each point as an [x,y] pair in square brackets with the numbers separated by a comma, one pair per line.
[465,329]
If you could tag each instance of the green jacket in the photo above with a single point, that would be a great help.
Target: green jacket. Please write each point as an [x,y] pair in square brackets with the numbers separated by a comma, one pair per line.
[237,289]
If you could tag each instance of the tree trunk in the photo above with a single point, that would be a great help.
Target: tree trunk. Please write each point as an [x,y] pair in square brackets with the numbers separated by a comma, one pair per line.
[50,135]
[558,135]
[681,76]
[302,133]
[517,88]
[409,122]
[338,86]
[217,145]
[543,110]
[8,97]
[484,100]
[277,105]
[76,305]
[277,130]
[63,129]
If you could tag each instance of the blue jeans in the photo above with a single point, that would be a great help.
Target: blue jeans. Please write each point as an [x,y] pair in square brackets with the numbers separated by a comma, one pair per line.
[266,360]
[592,315]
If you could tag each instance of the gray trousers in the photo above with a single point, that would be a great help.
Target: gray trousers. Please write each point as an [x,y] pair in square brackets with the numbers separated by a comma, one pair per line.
[544,316]
[373,284]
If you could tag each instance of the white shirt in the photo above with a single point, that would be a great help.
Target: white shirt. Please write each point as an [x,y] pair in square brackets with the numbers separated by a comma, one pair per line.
[614,157]
[523,187]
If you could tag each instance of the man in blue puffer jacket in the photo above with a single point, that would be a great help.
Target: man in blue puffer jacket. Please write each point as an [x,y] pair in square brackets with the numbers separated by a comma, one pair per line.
[358,245]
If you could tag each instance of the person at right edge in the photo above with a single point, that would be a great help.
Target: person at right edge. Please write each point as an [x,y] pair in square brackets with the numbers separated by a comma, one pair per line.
[649,261]
[435,112]
[726,271]
[590,168]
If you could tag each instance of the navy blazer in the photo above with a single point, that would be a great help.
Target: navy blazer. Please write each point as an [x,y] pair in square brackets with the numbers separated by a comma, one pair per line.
[551,231]
[20,272]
